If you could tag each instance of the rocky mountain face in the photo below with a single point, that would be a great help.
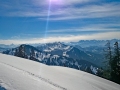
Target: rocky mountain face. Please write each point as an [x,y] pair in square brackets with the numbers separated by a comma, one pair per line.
[74,52]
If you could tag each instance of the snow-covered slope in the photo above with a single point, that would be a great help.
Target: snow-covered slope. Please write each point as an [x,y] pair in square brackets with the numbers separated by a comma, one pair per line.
[21,74]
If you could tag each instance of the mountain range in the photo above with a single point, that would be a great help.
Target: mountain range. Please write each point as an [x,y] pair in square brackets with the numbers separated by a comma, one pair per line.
[51,56]
[86,55]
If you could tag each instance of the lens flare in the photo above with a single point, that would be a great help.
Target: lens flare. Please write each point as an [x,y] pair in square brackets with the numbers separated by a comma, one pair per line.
[56,2]
[51,3]
[47,21]
[59,2]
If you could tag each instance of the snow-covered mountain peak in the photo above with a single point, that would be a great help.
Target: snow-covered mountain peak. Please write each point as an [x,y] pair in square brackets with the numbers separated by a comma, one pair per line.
[53,46]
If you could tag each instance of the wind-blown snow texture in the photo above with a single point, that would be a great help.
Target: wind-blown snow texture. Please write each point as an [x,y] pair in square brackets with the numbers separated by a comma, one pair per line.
[21,74]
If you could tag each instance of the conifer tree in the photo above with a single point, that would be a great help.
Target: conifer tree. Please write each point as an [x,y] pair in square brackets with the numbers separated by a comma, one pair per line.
[115,64]
[108,55]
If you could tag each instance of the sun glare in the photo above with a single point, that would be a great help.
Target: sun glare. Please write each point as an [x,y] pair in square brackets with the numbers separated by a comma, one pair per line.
[58,2]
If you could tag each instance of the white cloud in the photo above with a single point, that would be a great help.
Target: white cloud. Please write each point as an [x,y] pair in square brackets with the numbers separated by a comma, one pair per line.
[92,27]
[61,2]
[90,11]
[35,8]
[99,36]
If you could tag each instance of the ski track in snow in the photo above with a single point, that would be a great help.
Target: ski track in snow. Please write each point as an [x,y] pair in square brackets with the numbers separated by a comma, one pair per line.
[33,75]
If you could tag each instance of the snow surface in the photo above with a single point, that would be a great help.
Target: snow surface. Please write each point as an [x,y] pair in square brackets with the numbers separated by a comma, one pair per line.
[22,74]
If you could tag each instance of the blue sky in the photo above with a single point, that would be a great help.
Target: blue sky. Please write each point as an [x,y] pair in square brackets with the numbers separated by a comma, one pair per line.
[41,21]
